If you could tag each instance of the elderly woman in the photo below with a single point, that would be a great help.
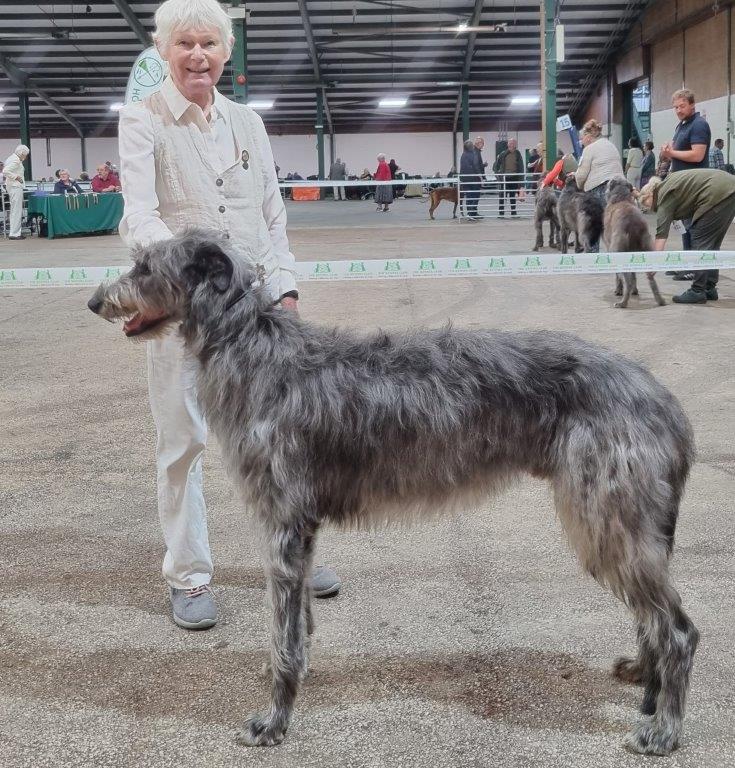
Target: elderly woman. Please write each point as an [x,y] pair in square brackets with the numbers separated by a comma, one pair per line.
[14,174]
[383,192]
[65,186]
[188,155]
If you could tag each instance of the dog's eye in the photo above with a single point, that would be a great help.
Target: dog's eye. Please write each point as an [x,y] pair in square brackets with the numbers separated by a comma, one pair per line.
[143,268]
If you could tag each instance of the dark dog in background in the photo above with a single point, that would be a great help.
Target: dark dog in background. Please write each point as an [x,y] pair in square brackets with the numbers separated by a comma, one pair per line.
[320,425]
[443,193]
[580,213]
[546,201]
[626,230]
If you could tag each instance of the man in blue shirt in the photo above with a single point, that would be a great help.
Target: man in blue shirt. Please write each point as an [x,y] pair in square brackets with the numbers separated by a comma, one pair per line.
[688,149]
[690,146]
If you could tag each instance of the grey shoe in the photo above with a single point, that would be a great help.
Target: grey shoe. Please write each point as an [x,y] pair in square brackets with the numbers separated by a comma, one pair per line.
[324,581]
[194,608]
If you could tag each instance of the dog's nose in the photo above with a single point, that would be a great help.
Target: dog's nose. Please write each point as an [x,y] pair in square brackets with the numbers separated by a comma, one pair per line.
[95,304]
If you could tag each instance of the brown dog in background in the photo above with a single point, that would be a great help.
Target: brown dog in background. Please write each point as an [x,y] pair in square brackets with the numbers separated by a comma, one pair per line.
[443,193]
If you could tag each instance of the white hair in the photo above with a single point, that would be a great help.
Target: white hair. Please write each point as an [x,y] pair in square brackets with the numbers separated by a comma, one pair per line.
[381,156]
[191,14]
[22,148]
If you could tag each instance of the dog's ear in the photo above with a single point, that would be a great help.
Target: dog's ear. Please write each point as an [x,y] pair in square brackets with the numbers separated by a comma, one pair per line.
[212,264]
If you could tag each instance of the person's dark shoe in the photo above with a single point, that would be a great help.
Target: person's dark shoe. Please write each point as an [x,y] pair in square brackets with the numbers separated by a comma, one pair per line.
[684,276]
[711,294]
[194,608]
[17,237]
[670,272]
[691,297]
[324,582]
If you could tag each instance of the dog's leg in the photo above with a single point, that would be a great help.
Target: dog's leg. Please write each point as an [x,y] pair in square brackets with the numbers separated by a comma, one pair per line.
[618,284]
[289,557]
[629,282]
[634,290]
[564,243]
[454,213]
[434,204]
[539,232]
[554,240]
[654,289]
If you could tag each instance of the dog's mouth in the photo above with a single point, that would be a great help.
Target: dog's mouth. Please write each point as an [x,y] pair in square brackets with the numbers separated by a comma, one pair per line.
[139,324]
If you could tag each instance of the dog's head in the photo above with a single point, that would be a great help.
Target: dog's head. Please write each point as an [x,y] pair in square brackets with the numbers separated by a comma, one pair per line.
[168,280]
[570,183]
[619,190]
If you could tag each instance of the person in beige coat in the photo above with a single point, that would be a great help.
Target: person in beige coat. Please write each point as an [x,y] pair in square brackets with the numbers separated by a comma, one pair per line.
[188,155]
[600,160]
[14,176]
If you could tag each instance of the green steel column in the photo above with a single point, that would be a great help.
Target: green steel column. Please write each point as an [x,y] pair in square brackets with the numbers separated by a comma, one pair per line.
[320,130]
[548,81]
[239,61]
[25,131]
[465,112]
[84,152]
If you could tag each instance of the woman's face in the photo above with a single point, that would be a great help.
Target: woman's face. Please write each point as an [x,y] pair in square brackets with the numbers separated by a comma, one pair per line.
[64,176]
[586,139]
[196,59]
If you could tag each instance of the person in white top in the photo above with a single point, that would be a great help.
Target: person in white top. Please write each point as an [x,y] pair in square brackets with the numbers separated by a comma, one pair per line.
[14,173]
[600,160]
[190,156]
[634,162]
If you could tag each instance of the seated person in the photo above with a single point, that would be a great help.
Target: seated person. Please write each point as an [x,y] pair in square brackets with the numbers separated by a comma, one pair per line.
[65,186]
[106,180]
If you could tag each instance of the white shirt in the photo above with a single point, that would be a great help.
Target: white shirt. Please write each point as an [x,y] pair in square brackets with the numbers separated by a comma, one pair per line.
[14,172]
[599,163]
[142,221]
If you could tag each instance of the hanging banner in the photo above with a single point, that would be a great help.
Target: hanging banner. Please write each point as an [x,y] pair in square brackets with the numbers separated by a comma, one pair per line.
[146,76]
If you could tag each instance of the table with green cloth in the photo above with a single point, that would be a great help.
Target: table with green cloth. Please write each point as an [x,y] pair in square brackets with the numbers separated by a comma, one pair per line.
[77,214]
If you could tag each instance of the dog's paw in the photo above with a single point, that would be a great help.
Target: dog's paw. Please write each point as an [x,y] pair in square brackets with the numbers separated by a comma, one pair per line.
[627,670]
[649,737]
[620,304]
[661,302]
[634,292]
[619,291]
[258,732]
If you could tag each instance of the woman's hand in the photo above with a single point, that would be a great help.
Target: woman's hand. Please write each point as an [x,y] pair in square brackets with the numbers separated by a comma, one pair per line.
[288,302]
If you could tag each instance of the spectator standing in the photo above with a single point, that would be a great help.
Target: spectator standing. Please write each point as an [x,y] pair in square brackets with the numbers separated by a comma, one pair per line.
[509,165]
[394,168]
[106,180]
[706,198]
[556,177]
[688,149]
[383,192]
[338,172]
[14,173]
[471,172]
[649,163]
[634,162]
[716,156]
[65,186]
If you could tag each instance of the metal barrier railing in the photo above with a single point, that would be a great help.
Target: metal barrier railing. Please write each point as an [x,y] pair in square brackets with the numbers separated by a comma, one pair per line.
[497,195]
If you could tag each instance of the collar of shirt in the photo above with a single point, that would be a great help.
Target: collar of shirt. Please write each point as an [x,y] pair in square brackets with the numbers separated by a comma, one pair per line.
[689,119]
[178,103]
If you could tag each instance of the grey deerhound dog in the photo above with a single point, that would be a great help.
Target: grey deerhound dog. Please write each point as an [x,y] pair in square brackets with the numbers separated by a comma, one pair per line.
[323,425]
[581,213]
[546,199]
[626,230]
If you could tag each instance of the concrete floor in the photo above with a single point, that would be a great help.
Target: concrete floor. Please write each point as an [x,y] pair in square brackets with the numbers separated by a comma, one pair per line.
[470,642]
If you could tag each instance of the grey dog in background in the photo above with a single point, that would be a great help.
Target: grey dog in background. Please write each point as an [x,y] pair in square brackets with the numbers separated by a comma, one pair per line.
[625,229]
[322,425]
[546,199]
[580,213]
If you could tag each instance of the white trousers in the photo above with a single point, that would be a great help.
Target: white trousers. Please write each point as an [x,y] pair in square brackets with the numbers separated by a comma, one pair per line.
[15,196]
[634,177]
[182,437]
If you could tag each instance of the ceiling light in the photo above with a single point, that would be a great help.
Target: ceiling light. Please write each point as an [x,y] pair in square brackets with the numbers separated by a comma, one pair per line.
[2,107]
[524,101]
[117,106]
[261,104]
[462,26]
[393,101]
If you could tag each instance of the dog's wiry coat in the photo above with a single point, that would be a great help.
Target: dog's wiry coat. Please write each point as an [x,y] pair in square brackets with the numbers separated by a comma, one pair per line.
[328,426]
[545,210]
[625,229]
[580,213]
